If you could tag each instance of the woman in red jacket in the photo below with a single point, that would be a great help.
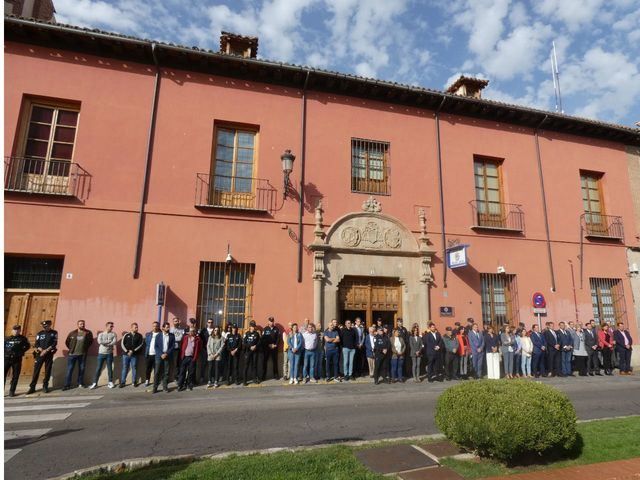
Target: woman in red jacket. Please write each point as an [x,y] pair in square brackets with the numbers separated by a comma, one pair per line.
[606,344]
[464,351]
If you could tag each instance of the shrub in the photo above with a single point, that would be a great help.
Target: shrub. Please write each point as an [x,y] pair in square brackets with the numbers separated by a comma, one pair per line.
[507,419]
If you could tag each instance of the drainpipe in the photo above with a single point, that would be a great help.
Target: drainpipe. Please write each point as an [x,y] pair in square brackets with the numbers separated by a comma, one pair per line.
[544,205]
[147,165]
[441,192]
[302,158]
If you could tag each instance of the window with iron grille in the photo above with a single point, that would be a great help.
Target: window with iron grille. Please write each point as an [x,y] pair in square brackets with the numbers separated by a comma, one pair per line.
[369,166]
[607,299]
[499,299]
[32,273]
[225,291]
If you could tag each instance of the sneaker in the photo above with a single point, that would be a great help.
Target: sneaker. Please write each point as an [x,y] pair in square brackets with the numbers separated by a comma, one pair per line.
[215,385]
[291,381]
[146,383]
[313,380]
[306,380]
[296,381]
[93,386]
[110,385]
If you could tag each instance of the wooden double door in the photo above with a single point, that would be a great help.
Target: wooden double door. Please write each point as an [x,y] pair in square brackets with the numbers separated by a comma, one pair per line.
[370,298]
[29,309]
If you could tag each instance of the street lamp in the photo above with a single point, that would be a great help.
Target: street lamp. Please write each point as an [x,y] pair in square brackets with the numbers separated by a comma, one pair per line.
[287,159]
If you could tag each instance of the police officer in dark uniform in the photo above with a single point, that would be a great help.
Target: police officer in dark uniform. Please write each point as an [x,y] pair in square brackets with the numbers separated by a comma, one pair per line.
[381,349]
[233,345]
[270,339]
[45,347]
[251,343]
[14,348]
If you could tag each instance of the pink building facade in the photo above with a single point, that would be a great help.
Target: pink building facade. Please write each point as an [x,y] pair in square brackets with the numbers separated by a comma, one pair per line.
[129,163]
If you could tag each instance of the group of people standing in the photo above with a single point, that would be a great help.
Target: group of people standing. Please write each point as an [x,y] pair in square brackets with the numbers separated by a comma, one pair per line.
[339,353]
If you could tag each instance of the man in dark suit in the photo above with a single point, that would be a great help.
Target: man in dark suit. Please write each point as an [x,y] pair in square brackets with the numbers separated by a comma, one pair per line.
[591,345]
[553,350]
[566,349]
[165,343]
[624,347]
[433,347]
[539,352]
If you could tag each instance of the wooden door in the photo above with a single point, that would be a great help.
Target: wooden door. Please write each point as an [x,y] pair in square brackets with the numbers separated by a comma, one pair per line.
[29,310]
[371,294]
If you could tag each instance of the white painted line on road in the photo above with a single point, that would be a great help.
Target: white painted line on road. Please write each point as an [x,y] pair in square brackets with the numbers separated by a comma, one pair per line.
[8,401]
[9,454]
[25,408]
[45,417]
[22,434]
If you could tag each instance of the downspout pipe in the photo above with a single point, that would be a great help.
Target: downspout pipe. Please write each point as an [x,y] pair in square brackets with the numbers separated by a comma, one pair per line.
[147,165]
[544,204]
[441,192]
[303,155]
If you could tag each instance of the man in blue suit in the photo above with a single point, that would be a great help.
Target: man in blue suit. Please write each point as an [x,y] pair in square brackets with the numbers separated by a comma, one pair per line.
[433,347]
[566,347]
[539,352]
[476,343]
[624,348]
[165,343]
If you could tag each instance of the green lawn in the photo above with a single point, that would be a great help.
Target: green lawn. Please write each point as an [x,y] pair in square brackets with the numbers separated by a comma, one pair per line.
[603,441]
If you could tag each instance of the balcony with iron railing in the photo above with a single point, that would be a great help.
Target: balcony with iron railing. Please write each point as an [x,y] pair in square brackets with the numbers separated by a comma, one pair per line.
[597,226]
[239,193]
[507,217]
[45,177]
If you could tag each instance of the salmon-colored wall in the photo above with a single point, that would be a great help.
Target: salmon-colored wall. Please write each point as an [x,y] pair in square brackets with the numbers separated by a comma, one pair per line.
[97,236]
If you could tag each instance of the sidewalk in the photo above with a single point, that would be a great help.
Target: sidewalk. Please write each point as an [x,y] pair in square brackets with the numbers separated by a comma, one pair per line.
[618,470]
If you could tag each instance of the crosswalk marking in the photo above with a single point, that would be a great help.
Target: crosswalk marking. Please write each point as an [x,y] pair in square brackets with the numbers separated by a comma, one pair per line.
[9,454]
[45,417]
[24,434]
[25,408]
[8,401]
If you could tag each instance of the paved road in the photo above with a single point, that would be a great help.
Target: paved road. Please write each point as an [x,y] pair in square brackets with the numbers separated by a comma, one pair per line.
[99,426]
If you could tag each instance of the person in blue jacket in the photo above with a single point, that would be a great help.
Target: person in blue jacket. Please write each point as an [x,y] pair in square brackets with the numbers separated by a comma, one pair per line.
[539,352]
[369,342]
[476,342]
[296,345]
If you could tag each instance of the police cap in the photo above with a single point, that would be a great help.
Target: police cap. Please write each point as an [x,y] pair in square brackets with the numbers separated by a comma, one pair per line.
[252,323]
[46,322]
[17,327]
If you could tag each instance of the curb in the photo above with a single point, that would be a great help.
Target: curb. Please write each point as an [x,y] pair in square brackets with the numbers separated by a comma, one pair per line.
[137,463]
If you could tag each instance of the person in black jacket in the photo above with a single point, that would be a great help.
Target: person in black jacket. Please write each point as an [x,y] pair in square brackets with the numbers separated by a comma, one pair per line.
[132,345]
[78,342]
[204,335]
[251,343]
[233,347]
[433,348]
[553,350]
[45,347]
[381,349]
[15,347]
[349,342]
[271,337]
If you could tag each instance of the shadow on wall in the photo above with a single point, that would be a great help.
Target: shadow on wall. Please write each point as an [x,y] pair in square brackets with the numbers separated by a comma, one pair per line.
[174,307]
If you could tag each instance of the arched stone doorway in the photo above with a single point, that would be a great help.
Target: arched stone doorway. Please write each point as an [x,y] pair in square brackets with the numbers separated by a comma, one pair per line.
[375,249]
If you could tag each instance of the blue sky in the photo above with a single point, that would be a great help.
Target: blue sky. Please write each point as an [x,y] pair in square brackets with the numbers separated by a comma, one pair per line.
[419,42]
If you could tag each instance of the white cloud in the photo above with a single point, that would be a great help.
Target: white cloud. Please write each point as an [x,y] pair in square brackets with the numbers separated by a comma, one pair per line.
[90,13]
[519,53]
[573,13]
[483,19]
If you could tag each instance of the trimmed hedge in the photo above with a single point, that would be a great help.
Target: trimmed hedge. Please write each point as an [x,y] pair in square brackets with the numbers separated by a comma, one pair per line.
[507,419]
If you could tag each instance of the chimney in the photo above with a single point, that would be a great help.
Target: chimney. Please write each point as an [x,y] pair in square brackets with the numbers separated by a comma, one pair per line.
[234,44]
[468,87]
